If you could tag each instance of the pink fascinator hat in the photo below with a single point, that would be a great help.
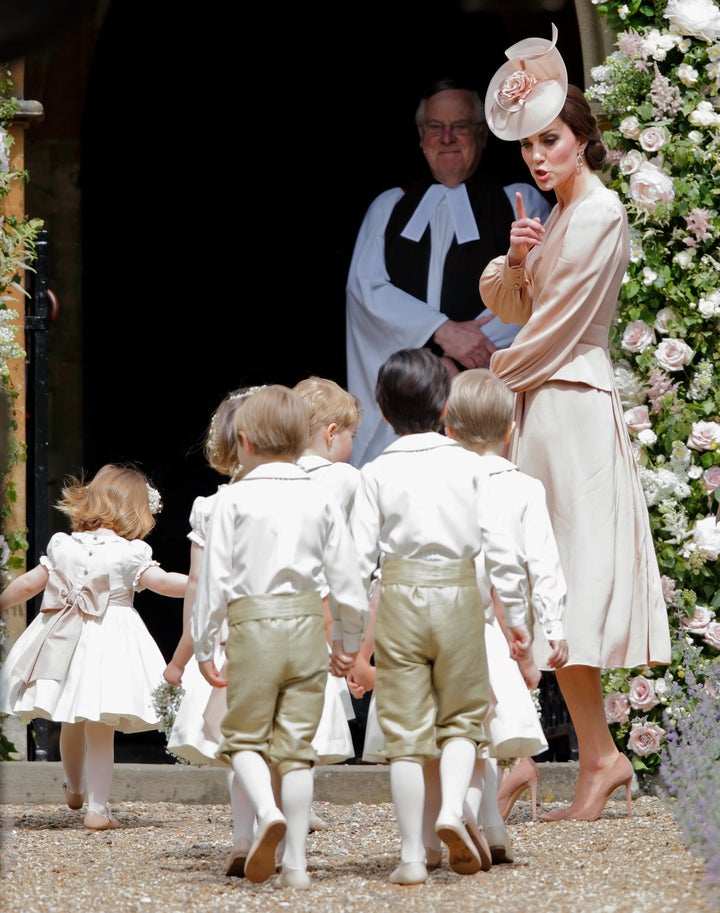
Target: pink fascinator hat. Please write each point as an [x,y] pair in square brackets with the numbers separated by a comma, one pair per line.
[527,93]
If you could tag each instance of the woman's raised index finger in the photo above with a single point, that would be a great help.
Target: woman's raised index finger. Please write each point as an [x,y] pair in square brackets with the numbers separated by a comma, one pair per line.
[519,205]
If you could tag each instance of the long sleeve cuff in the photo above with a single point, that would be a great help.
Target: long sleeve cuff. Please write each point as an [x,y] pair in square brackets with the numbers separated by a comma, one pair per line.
[554,630]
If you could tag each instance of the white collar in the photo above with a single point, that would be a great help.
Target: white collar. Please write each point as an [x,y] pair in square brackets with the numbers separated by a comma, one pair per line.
[461,213]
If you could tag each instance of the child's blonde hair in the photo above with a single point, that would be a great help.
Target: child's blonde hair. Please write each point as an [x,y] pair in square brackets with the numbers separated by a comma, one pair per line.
[118,498]
[328,402]
[275,421]
[480,407]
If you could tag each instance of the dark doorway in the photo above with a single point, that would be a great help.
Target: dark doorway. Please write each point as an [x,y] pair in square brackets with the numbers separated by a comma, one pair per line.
[225,173]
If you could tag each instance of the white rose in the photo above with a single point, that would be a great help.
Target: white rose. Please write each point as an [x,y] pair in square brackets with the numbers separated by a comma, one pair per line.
[684,258]
[647,437]
[652,139]
[630,127]
[631,161]
[663,318]
[710,306]
[650,186]
[706,536]
[673,354]
[628,384]
[704,115]
[698,18]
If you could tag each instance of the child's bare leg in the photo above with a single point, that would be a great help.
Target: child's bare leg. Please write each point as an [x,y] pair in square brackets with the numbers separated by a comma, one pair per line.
[72,754]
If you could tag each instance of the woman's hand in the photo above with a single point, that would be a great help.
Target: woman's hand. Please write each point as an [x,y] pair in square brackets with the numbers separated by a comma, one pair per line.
[524,233]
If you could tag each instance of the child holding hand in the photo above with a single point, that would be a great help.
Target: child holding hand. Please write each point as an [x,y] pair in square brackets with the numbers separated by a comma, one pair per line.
[275,542]
[480,416]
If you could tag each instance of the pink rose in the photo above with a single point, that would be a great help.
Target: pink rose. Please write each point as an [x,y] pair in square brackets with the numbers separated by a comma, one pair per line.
[642,693]
[645,738]
[698,623]
[711,478]
[638,419]
[637,336]
[514,89]
[669,590]
[673,354]
[712,635]
[653,138]
[703,435]
[650,186]
[706,536]
[617,708]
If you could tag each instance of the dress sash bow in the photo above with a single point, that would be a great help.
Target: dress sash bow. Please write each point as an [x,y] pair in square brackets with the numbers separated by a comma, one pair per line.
[49,655]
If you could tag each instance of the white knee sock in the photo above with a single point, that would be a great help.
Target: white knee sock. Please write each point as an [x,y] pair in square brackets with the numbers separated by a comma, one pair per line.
[99,761]
[489,809]
[72,755]
[297,793]
[408,794]
[476,790]
[457,762]
[253,775]
[243,813]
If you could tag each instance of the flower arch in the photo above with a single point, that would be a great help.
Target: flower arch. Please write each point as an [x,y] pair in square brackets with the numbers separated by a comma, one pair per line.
[660,102]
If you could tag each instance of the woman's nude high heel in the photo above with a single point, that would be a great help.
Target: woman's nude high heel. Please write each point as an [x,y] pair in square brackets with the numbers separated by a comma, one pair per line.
[523,775]
[620,774]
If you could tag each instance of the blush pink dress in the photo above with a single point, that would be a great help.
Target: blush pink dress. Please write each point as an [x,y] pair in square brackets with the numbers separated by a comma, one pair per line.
[571,433]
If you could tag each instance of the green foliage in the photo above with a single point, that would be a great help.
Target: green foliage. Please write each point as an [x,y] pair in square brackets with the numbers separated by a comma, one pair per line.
[659,96]
[17,254]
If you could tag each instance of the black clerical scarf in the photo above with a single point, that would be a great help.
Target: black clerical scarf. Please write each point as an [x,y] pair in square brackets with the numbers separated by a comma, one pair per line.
[408,261]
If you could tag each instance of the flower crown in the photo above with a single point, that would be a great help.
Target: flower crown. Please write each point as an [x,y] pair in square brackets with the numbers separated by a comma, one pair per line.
[249,392]
[233,397]
[154,499]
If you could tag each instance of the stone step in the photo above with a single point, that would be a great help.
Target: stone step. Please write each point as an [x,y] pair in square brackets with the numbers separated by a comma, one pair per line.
[40,782]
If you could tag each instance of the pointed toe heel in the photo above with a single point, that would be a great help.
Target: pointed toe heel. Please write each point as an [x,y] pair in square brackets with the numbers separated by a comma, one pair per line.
[522,776]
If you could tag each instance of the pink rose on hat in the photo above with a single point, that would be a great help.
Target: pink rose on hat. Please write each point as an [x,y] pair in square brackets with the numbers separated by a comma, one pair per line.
[513,90]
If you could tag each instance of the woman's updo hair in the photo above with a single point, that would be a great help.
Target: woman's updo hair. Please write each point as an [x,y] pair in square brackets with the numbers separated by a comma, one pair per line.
[577,114]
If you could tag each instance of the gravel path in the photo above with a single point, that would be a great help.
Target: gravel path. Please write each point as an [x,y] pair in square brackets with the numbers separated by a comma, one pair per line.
[168,858]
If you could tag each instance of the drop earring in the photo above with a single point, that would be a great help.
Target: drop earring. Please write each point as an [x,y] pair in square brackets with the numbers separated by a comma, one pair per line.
[579,160]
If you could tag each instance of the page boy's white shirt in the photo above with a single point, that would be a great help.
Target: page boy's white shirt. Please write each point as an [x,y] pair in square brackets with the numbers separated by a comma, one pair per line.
[423,497]
[341,479]
[276,532]
[522,499]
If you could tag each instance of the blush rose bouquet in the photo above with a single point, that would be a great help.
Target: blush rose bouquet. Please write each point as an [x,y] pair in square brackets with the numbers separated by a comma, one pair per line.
[657,98]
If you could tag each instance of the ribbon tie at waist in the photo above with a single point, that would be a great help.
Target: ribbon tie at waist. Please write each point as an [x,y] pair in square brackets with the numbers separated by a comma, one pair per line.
[50,657]
[287,605]
[419,572]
